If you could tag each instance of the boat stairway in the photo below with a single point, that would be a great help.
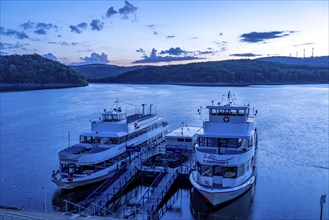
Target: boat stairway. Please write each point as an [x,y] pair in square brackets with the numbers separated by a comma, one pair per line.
[154,195]
[99,203]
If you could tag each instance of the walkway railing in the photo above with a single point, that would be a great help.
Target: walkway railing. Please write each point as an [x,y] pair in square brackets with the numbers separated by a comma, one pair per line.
[152,210]
[113,190]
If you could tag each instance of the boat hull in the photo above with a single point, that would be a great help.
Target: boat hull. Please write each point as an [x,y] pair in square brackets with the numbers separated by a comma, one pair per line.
[65,184]
[219,196]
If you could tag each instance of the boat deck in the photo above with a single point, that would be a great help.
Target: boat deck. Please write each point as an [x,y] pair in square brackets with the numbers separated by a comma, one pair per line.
[79,149]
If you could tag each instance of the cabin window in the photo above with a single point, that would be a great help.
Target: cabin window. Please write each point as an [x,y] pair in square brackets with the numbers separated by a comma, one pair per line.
[250,142]
[100,166]
[206,170]
[114,140]
[233,112]
[218,170]
[241,112]
[232,143]
[180,139]
[223,142]
[230,172]
[240,170]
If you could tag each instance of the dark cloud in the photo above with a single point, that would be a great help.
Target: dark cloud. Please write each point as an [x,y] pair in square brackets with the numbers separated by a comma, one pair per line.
[140,50]
[255,37]
[96,25]
[13,33]
[39,27]
[154,58]
[170,36]
[127,10]
[95,58]
[155,32]
[220,34]
[50,56]
[28,25]
[8,46]
[40,31]
[245,55]
[78,28]
[174,51]
[110,12]
[194,38]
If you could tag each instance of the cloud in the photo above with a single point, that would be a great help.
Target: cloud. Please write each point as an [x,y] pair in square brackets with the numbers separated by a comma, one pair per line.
[152,27]
[220,34]
[39,27]
[245,55]
[78,28]
[255,37]
[140,50]
[110,12]
[8,46]
[40,31]
[96,25]
[13,33]
[95,58]
[170,36]
[50,56]
[154,58]
[174,51]
[127,10]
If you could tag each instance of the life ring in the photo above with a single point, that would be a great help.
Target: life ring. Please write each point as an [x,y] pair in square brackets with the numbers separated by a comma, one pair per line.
[226,119]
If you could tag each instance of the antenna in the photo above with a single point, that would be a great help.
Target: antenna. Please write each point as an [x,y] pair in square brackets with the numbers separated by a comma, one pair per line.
[151,109]
[304,53]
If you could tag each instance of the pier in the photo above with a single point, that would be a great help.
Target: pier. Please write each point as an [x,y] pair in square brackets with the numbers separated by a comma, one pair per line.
[150,160]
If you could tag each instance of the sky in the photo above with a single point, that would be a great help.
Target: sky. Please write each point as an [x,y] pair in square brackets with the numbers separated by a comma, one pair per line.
[127,33]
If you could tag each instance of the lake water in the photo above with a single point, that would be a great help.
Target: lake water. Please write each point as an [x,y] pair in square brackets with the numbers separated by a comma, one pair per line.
[292,123]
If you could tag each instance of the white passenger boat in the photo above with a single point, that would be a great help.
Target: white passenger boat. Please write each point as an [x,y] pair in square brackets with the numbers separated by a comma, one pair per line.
[226,152]
[112,142]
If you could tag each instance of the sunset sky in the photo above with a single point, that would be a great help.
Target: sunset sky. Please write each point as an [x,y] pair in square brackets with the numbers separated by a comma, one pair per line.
[163,32]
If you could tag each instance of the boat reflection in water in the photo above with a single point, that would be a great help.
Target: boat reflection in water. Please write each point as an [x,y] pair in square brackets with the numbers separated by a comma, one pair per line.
[239,208]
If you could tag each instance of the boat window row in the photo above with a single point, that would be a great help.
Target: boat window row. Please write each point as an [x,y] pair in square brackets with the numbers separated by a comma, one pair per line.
[120,140]
[223,171]
[72,168]
[230,112]
[184,139]
[224,142]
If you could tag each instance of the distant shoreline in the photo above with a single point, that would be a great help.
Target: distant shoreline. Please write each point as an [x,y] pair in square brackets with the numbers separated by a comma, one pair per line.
[13,87]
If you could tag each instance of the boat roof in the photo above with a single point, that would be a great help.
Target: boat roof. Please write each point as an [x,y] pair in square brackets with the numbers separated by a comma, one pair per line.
[105,134]
[186,131]
[230,131]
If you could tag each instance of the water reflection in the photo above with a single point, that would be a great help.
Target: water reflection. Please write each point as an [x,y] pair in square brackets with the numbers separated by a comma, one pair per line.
[240,208]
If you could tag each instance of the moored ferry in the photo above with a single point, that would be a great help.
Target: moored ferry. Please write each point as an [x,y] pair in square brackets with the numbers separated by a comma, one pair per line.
[107,146]
[226,152]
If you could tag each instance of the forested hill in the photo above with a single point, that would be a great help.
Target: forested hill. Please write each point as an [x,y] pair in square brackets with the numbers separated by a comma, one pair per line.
[20,72]
[309,61]
[98,71]
[237,72]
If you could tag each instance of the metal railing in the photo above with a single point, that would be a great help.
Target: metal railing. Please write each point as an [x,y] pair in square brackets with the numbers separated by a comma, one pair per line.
[152,211]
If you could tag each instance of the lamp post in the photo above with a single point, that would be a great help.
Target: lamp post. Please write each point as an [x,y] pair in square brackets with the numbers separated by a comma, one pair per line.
[322,202]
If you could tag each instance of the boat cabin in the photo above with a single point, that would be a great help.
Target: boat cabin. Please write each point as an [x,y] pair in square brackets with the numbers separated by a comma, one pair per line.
[114,115]
[181,140]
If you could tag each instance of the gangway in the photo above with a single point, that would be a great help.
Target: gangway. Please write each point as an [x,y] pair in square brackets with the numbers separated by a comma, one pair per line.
[98,205]
[150,201]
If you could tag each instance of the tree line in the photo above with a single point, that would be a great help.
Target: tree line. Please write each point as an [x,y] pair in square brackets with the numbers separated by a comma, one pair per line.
[35,69]
[243,71]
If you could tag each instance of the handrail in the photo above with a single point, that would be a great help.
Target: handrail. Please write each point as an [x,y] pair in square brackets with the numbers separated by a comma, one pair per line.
[163,193]
[147,192]
[100,188]
[100,207]
[21,216]
[76,205]
[122,182]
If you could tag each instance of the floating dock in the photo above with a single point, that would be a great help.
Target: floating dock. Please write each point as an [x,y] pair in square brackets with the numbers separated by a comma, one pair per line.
[167,161]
